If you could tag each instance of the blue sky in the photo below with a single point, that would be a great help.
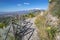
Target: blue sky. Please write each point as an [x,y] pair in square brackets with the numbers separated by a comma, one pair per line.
[17,5]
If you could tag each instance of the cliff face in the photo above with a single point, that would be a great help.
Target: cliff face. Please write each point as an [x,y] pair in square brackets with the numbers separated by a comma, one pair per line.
[54,7]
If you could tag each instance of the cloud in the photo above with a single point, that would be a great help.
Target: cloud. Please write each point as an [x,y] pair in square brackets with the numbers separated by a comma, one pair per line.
[37,8]
[26,3]
[18,4]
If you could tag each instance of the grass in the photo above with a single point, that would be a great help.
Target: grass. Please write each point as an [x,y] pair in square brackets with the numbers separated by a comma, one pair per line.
[46,32]
[40,23]
[52,32]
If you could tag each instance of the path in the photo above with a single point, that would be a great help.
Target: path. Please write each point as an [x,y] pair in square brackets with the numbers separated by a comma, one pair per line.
[35,34]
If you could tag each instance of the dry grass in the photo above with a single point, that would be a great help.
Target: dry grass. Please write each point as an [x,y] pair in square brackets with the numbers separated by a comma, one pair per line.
[40,23]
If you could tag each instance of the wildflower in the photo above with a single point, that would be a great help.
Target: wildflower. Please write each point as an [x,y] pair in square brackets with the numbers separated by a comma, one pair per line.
[48,28]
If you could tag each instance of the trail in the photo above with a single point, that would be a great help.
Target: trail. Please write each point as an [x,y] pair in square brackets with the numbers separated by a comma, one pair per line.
[35,34]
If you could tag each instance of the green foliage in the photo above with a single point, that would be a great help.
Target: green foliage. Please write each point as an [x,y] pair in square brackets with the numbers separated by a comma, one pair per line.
[4,21]
[52,31]
[31,15]
[2,25]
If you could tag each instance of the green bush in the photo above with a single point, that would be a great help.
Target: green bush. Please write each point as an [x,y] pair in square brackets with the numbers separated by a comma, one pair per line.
[31,15]
[2,25]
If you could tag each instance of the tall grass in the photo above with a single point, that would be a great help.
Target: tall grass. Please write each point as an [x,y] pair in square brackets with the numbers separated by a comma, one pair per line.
[46,32]
[40,23]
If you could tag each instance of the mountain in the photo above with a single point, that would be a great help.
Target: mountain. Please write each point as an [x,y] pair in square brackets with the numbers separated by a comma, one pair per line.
[19,12]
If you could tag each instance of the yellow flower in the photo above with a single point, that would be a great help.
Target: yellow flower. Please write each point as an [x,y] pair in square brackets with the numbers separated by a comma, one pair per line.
[48,28]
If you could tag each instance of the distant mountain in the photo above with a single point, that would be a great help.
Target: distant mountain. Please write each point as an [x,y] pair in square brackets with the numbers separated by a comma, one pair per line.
[18,12]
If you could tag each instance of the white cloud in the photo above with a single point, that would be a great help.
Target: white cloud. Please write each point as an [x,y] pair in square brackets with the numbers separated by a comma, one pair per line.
[26,3]
[37,8]
[18,4]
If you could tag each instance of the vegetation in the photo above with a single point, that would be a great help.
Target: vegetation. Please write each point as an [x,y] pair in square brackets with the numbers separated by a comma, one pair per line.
[29,15]
[2,25]
[52,32]
[4,22]
[46,31]
[40,22]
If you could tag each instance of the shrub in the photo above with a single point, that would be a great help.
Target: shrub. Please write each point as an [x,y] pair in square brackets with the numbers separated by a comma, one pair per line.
[2,25]
[31,15]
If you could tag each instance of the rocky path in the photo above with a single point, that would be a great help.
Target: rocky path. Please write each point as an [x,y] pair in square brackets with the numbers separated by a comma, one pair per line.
[35,34]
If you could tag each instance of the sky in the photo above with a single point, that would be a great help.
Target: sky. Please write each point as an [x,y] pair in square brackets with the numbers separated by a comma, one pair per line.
[18,5]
